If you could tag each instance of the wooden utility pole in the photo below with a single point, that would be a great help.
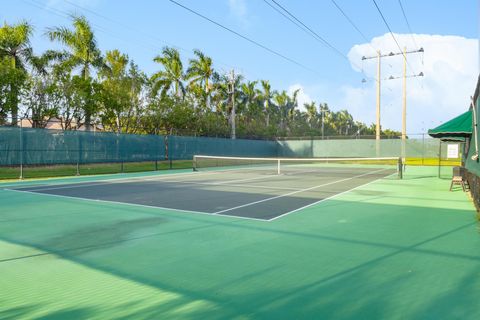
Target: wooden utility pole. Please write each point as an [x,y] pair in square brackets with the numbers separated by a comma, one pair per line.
[379,66]
[404,102]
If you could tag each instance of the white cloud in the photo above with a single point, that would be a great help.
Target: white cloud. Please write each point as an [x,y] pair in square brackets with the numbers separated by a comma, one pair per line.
[302,97]
[238,9]
[450,65]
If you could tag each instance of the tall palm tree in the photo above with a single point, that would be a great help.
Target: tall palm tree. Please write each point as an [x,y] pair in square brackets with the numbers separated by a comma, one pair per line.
[171,78]
[311,110]
[266,95]
[15,46]
[249,96]
[116,89]
[281,99]
[292,105]
[82,51]
[326,116]
[200,72]
[345,121]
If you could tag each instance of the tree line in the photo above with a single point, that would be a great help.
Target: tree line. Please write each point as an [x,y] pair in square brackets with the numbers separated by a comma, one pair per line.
[81,86]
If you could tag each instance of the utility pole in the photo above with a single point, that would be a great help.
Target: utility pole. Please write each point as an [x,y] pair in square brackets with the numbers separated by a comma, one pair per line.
[404,104]
[232,115]
[377,127]
[404,94]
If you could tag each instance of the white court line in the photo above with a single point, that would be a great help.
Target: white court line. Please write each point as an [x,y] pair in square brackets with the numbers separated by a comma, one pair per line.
[38,182]
[113,181]
[135,205]
[328,198]
[136,179]
[235,185]
[298,191]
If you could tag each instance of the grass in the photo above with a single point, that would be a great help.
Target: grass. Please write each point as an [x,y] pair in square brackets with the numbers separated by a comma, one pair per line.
[34,172]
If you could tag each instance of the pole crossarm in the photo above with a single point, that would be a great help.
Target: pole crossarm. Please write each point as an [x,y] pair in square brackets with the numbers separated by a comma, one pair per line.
[391,54]
[408,76]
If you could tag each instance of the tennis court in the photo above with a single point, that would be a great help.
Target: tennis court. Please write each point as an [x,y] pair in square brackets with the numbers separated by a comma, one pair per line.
[235,187]
[109,247]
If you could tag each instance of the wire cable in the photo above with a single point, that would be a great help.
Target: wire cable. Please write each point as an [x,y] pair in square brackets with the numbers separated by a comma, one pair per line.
[393,36]
[245,37]
[353,24]
[408,24]
[292,18]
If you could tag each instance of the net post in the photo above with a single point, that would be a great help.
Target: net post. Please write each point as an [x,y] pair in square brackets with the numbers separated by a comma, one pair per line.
[278,166]
[194,163]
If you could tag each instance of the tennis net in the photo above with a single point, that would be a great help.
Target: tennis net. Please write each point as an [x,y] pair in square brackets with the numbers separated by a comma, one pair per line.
[306,166]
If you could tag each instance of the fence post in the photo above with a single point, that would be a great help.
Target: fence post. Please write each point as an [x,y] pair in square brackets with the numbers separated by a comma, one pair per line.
[439,156]
[21,150]
[423,149]
[122,152]
[169,151]
[156,148]
[79,152]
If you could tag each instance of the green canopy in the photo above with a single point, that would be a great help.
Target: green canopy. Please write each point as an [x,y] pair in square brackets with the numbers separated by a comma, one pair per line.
[455,129]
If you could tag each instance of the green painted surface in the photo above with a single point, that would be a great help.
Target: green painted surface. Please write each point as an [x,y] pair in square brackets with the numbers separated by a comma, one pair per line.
[392,249]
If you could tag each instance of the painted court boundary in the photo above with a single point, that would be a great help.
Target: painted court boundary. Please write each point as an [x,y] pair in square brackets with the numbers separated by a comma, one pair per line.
[220,213]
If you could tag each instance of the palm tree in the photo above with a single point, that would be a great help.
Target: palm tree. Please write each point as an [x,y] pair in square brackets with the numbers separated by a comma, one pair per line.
[172,76]
[200,72]
[281,100]
[311,110]
[266,96]
[344,121]
[15,46]
[116,89]
[82,51]
[249,96]
[292,105]
[326,116]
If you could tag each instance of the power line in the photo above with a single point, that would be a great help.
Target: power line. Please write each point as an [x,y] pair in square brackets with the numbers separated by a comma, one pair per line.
[312,33]
[97,27]
[352,23]
[285,16]
[245,38]
[292,18]
[393,36]
[408,24]
[140,31]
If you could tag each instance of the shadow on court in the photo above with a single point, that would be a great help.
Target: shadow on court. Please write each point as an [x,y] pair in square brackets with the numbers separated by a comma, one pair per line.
[307,266]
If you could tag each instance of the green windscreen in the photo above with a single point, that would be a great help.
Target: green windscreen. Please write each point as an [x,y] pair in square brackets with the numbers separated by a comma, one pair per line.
[184,148]
[415,148]
[473,165]
[31,146]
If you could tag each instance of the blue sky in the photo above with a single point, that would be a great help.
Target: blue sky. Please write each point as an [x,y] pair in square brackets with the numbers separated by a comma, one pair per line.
[448,30]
